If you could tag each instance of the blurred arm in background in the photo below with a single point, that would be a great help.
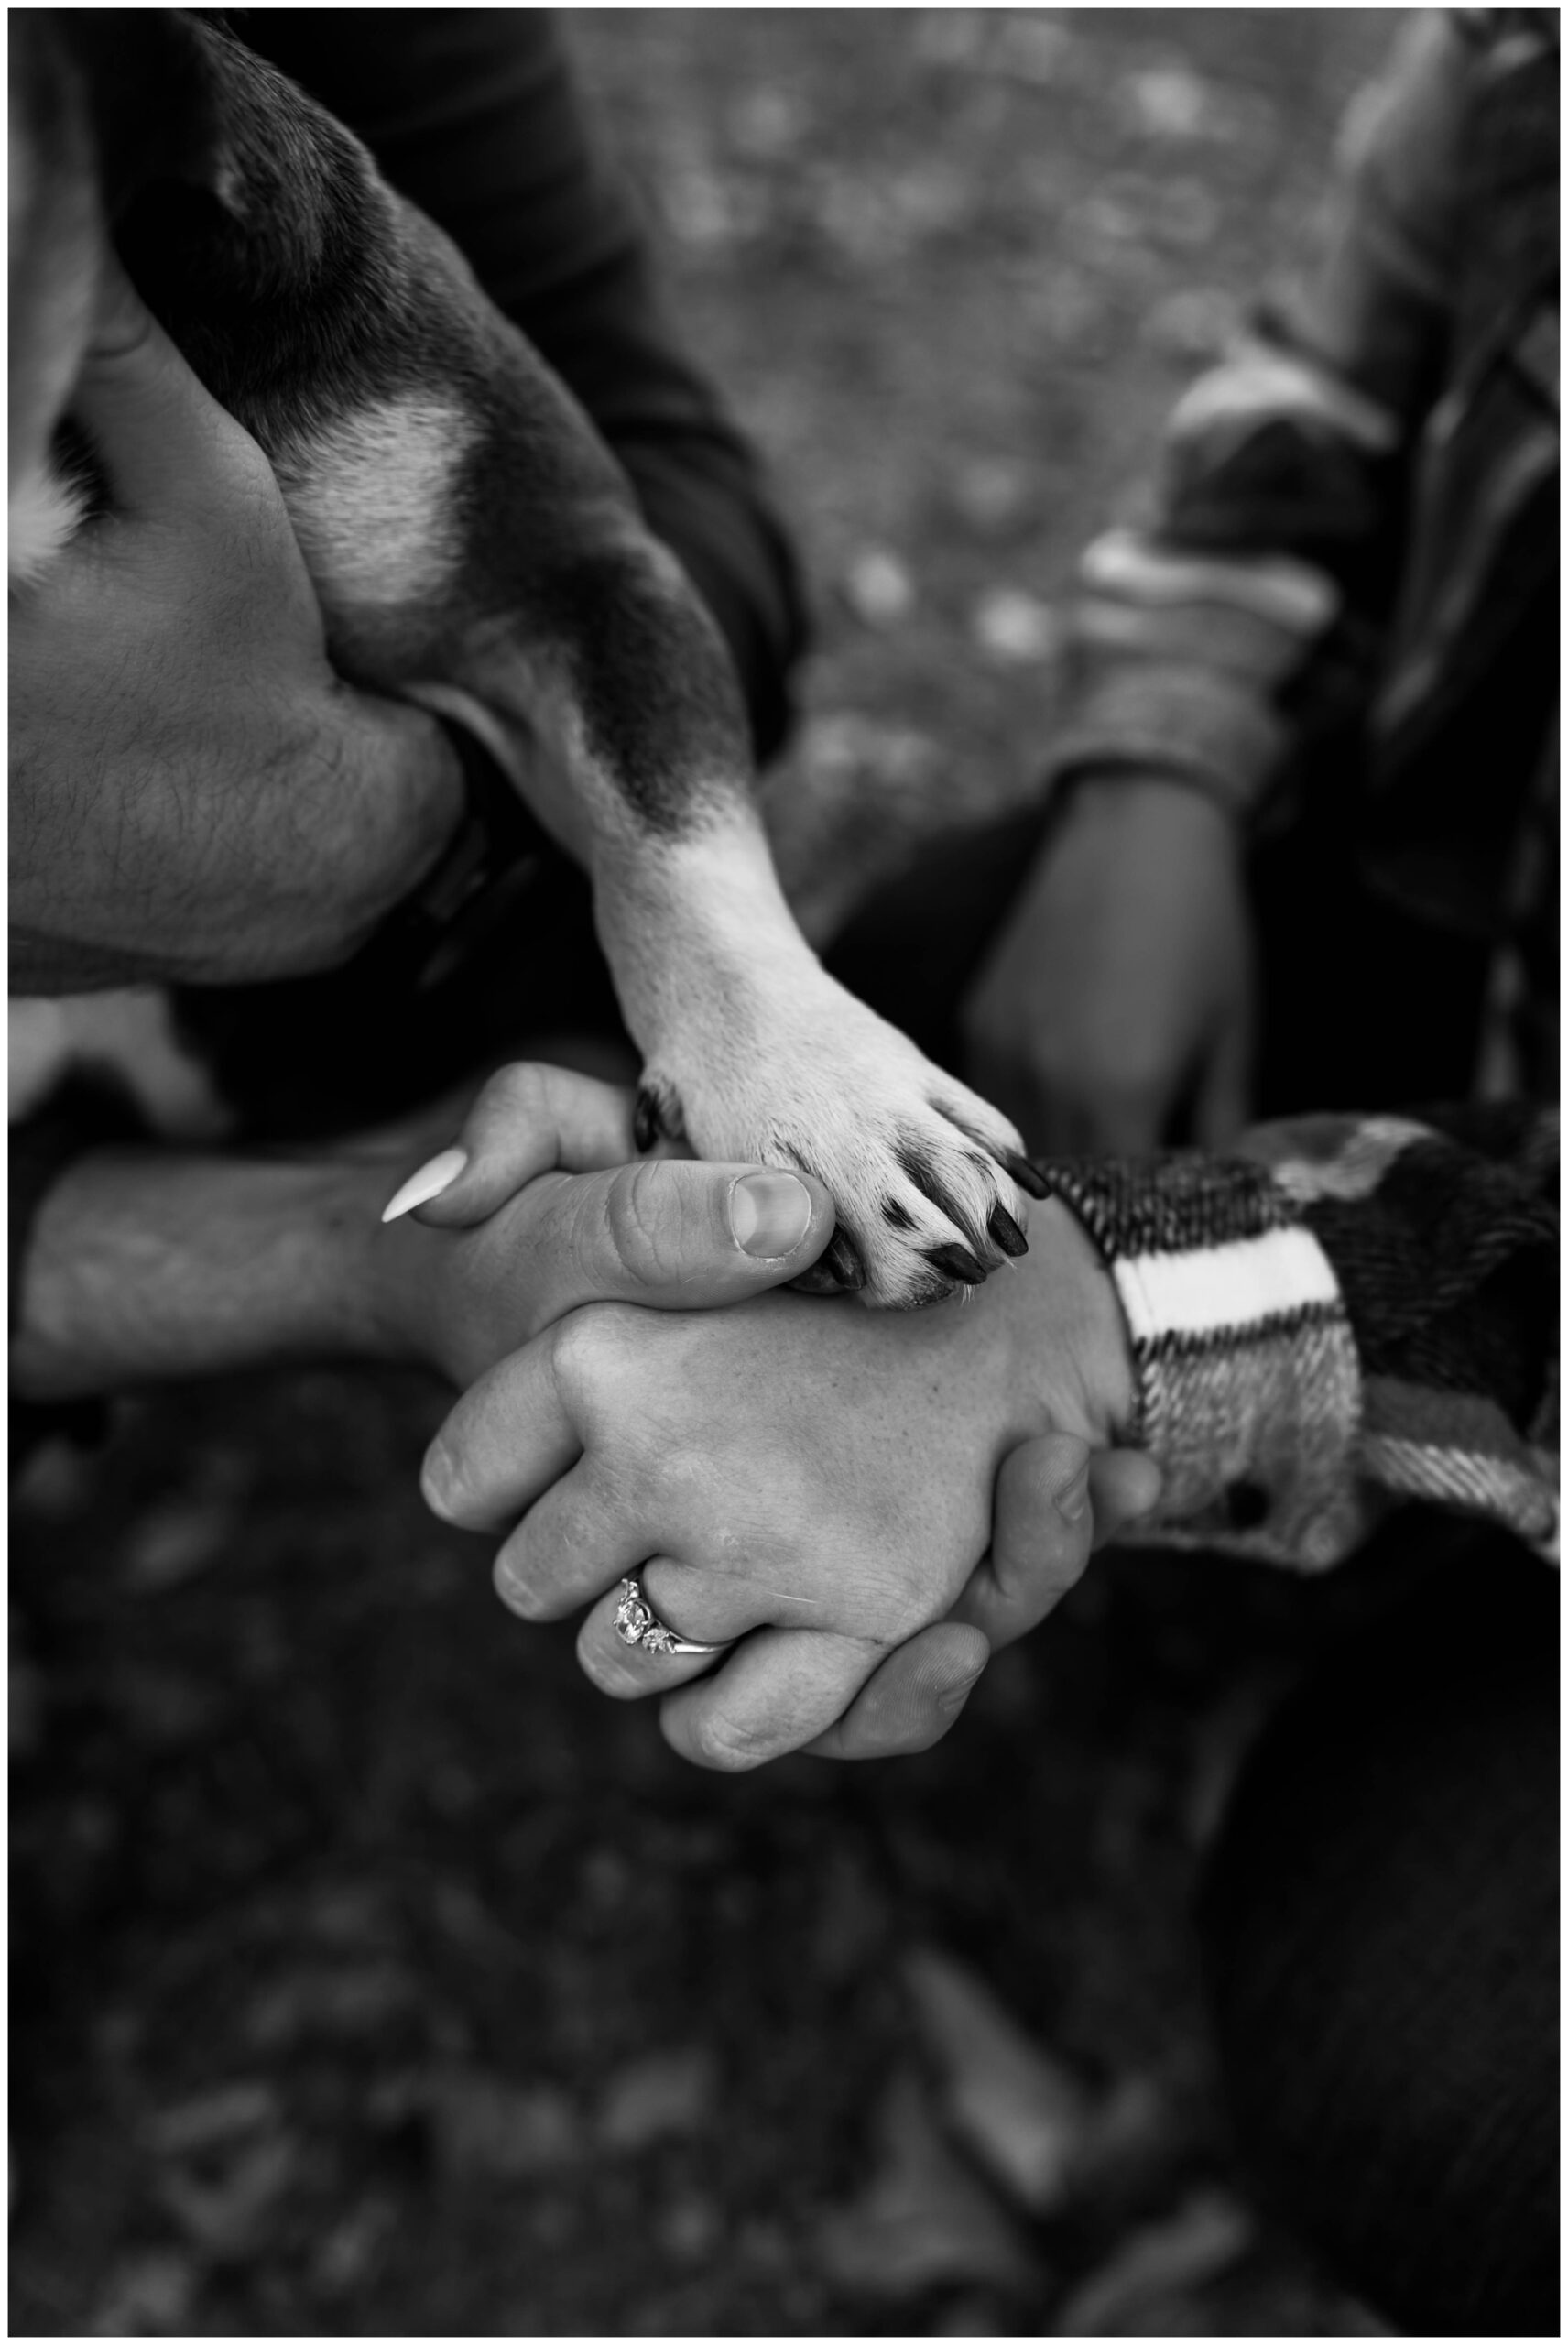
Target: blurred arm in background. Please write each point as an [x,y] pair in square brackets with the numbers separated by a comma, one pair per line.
[1343,534]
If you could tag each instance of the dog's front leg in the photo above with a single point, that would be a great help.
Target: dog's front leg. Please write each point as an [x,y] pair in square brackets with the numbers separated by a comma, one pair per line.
[636,757]
[755,1055]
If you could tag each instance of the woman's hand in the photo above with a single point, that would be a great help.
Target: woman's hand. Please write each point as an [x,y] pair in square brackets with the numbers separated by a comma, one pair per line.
[145,1264]
[1120,993]
[535,1212]
[810,1475]
[195,796]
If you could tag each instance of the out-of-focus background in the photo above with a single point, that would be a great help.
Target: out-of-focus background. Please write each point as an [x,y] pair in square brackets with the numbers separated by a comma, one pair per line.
[372,1974]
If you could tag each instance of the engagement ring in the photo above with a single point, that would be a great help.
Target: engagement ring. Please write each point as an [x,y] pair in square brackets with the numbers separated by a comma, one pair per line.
[637,1624]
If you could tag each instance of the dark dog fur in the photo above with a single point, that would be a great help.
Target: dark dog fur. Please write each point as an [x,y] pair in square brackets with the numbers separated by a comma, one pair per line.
[473,545]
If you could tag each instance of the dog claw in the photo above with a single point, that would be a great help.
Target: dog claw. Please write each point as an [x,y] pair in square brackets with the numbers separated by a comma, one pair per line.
[838,1269]
[1031,1182]
[843,1258]
[657,1115]
[1005,1233]
[956,1262]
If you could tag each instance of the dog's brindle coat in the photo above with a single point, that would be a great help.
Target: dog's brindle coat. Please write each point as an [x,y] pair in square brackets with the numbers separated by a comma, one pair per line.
[475,547]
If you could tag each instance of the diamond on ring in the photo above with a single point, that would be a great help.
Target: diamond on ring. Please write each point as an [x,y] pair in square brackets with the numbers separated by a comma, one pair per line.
[637,1624]
[633,1616]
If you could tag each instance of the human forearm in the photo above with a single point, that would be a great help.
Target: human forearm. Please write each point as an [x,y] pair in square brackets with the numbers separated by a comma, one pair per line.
[132,1263]
[1278,516]
[144,1264]
[276,861]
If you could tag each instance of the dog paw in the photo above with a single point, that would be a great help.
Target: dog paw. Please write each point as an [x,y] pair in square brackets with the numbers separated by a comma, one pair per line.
[928,1182]
[658,1113]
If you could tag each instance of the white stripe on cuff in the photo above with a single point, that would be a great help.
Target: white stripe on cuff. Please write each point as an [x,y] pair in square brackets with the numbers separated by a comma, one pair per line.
[1218,1288]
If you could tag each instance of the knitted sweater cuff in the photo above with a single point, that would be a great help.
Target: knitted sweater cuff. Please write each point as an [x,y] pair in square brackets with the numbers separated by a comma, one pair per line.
[1248,1386]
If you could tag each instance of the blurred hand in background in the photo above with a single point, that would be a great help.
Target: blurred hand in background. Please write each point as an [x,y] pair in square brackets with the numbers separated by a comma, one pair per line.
[1115,1012]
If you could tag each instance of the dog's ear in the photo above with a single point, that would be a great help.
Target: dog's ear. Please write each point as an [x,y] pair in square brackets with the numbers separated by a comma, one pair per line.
[150,89]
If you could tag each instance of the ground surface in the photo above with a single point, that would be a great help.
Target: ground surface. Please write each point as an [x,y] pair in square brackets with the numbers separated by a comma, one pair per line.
[372,1974]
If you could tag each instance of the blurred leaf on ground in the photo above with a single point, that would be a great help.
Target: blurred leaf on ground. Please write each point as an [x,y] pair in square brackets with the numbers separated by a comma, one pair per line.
[1021,2112]
[923,2221]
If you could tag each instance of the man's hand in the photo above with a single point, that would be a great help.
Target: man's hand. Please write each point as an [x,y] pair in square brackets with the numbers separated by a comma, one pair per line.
[1119,997]
[546,1207]
[1056,1500]
[538,1174]
[806,1475]
[194,795]
[150,1263]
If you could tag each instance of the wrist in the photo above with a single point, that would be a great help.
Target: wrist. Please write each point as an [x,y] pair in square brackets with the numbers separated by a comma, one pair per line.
[1113,797]
[1247,1382]
[398,783]
[1087,1317]
[146,1264]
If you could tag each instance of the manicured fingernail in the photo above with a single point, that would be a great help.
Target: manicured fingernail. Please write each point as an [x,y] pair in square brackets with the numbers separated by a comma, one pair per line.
[769,1213]
[515,1593]
[1070,1502]
[427,1183]
[435,1479]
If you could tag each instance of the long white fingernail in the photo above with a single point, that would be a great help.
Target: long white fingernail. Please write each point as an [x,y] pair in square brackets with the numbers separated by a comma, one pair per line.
[427,1183]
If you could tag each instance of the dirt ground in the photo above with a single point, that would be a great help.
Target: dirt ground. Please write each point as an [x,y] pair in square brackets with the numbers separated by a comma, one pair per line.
[370,1974]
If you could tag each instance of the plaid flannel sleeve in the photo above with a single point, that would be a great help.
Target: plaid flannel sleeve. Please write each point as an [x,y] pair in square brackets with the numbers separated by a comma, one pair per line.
[1355,1312]
[1248,606]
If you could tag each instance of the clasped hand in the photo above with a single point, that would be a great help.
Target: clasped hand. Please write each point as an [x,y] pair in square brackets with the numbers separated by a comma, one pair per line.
[195,795]
[813,1481]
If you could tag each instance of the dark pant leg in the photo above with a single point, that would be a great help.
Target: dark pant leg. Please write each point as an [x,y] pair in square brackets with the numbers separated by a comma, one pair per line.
[1380,1925]
[1363,1006]
[916,946]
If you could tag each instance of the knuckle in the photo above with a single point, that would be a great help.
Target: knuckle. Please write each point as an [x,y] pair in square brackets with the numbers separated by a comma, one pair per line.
[585,1345]
[638,1222]
[577,1347]
[515,1093]
[903,1612]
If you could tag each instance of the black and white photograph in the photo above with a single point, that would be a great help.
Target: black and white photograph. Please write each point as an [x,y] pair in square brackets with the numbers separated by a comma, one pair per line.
[783,1172]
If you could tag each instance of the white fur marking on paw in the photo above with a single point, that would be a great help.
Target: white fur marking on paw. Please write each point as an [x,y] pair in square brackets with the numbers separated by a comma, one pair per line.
[773,1063]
